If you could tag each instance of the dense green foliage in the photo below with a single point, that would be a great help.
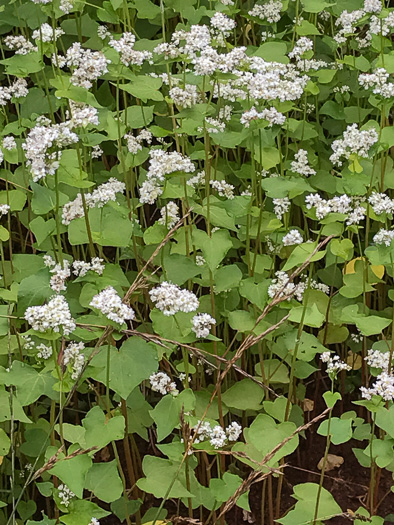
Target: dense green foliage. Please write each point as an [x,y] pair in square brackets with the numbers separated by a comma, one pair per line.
[196,256]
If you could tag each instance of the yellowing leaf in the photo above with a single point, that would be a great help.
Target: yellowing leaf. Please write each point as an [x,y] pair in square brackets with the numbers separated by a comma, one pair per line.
[354,360]
[377,269]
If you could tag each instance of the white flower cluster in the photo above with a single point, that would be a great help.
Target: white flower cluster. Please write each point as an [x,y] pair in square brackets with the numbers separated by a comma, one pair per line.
[46,33]
[223,23]
[86,65]
[162,163]
[383,387]
[39,143]
[272,115]
[377,359]
[270,11]
[171,299]
[302,45]
[334,364]
[61,272]
[65,494]
[281,206]
[347,22]
[4,209]
[354,141]
[338,204]
[223,188]
[281,286]
[292,238]
[161,382]
[72,357]
[110,304]
[378,81]
[202,324]
[44,351]
[217,436]
[82,115]
[128,55]
[381,26]
[300,164]
[169,214]
[218,124]
[94,521]
[54,316]
[19,44]
[96,152]
[196,180]
[9,143]
[66,6]
[105,193]
[384,237]
[381,203]
[186,97]
[17,89]
[81,268]
[28,342]
[134,144]
[372,6]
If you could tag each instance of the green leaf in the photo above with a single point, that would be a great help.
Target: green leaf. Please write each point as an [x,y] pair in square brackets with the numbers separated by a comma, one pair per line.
[333,109]
[214,248]
[244,395]
[385,420]
[166,413]
[340,430]
[135,361]
[42,229]
[4,234]
[29,383]
[34,290]
[99,430]
[273,370]
[5,443]
[159,476]
[331,398]
[227,278]
[343,248]
[73,472]
[104,481]
[147,9]
[139,116]
[302,253]
[81,513]
[310,315]
[241,320]
[263,435]
[44,199]
[180,268]
[144,87]
[304,511]
[23,65]
[16,199]
[372,324]
[306,28]
[26,509]
[273,52]
[166,416]
[256,293]
[109,227]
[315,6]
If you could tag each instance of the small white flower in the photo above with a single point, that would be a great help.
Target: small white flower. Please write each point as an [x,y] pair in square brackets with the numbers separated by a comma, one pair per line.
[292,238]
[202,324]
[171,299]
[110,304]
